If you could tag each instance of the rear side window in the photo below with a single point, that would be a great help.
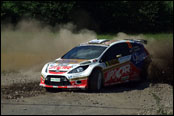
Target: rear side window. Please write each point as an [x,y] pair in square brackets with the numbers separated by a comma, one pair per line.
[137,47]
[122,49]
[138,53]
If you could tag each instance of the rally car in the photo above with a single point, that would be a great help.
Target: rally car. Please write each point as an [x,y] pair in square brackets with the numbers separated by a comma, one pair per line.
[98,63]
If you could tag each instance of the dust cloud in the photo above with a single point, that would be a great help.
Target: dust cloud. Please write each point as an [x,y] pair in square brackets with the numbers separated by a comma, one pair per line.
[30,44]
[122,35]
[161,68]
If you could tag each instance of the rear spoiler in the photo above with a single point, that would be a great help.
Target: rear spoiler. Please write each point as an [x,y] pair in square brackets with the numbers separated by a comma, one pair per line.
[138,40]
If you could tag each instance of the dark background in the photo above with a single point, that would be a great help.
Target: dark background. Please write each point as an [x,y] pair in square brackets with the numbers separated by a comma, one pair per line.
[100,16]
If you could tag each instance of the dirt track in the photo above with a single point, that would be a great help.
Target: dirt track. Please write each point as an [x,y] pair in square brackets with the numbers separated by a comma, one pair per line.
[22,48]
[132,98]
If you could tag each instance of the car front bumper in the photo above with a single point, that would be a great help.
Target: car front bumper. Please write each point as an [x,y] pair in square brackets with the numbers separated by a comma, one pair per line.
[76,83]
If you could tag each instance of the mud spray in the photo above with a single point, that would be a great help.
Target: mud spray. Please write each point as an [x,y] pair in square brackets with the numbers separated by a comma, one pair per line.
[29,45]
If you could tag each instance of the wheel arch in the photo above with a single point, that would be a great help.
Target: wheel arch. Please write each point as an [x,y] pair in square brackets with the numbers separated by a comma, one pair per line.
[97,68]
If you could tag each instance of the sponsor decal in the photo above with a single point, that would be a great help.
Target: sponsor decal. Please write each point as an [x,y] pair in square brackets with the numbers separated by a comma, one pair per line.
[117,73]
[59,67]
[121,73]
[52,72]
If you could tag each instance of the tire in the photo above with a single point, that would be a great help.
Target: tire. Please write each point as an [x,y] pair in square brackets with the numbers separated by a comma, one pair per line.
[143,75]
[95,81]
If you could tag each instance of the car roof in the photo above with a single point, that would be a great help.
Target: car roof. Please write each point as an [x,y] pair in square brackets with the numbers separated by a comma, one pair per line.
[107,42]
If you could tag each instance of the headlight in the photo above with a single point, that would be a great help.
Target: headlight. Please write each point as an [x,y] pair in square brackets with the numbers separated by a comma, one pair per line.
[79,69]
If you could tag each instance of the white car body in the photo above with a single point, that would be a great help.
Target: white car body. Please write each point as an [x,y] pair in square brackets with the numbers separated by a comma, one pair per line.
[62,68]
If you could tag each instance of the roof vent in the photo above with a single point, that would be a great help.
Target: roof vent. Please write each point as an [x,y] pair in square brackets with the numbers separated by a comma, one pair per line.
[97,41]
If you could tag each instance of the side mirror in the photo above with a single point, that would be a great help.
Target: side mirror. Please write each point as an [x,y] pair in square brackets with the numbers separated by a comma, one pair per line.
[101,61]
[118,56]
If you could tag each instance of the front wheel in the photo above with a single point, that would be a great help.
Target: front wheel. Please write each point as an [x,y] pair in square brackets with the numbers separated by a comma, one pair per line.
[95,81]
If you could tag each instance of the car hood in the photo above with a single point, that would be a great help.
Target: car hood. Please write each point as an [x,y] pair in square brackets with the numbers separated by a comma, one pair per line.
[64,65]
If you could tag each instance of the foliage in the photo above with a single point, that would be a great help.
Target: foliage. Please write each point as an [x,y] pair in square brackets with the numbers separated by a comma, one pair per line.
[101,16]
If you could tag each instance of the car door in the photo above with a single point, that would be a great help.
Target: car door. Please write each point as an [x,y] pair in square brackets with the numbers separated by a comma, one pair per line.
[116,59]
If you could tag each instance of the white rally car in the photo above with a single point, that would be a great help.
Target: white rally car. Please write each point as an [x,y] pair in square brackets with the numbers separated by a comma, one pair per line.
[97,63]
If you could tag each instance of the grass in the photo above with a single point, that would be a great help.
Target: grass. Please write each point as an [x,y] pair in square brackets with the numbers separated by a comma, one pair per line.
[107,36]
[160,36]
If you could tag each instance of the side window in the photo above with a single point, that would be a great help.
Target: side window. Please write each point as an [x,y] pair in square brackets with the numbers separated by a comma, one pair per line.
[123,49]
[118,49]
[108,55]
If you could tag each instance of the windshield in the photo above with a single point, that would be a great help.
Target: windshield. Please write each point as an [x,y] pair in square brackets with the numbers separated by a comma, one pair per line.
[84,52]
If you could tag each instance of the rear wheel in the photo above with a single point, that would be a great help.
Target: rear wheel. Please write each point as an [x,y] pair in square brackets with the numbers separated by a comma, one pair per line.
[95,81]
[144,72]
[143,75]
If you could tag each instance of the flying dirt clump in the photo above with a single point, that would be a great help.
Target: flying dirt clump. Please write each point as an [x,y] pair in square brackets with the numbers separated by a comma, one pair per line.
[30,44]
[161,69]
